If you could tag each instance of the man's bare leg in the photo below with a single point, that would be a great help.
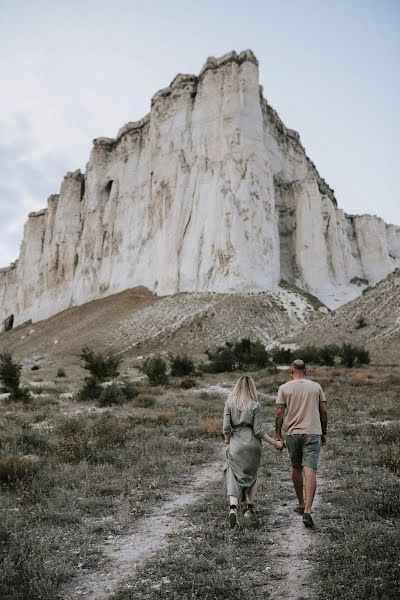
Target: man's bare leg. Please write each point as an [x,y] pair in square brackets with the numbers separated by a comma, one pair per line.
[310,485]
[251,495]
[297,478]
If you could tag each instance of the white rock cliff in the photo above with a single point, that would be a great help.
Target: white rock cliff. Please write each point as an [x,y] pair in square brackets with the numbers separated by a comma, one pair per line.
[209,192]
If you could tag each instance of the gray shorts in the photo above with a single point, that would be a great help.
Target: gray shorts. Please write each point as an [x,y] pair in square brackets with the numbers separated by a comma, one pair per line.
[304,449]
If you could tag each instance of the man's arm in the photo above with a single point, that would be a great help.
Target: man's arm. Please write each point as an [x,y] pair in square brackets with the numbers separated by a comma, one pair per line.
[279,415]
[323,415]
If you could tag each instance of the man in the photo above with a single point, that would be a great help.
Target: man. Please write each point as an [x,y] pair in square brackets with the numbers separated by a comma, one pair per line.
[305,426]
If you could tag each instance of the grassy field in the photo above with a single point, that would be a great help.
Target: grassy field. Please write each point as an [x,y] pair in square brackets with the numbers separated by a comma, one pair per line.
[73,475]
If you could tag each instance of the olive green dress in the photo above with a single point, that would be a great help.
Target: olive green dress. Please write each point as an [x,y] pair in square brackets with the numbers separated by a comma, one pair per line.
[243,453]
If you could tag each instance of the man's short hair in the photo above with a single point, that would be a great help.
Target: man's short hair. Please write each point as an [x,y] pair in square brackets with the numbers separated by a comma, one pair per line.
[298,365]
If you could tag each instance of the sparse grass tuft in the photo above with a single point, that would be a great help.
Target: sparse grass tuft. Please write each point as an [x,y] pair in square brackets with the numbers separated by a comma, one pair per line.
[212,427]
[144,401]
[14,469]
[162,417]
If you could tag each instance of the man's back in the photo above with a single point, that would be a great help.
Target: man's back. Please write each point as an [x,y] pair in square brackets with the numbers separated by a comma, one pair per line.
[301,398]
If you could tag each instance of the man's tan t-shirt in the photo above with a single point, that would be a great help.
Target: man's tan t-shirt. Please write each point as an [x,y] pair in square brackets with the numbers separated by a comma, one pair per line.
[301,398]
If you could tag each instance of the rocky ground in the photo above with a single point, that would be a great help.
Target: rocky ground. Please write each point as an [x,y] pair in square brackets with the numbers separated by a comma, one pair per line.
[372,320]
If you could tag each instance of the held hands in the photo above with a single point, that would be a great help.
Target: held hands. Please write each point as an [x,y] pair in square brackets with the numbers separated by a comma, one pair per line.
[279,444]
[227,438]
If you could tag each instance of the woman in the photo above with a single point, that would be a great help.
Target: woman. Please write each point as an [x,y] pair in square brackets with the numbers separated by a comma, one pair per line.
[243,433]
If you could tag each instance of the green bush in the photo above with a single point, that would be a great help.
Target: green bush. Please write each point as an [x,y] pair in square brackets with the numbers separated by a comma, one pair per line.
[10,375]
[99,366]
[352,355]
[112,394]
[61,372]
[244,354]
[181,366]
[282,356]
[156,370]
[222,360]
[251,354]
[91,390]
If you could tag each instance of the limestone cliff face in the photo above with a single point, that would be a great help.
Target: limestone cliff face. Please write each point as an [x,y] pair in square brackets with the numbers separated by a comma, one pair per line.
[209,192]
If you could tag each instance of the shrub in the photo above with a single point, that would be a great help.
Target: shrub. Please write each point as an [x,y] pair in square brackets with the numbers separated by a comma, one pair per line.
[187,384]
[156,370]
[35,368]
[32,442]
[74,443]
[15,468]
[112,394]
[389,457]
[129,390]
[327,355]
[250,354]
[282,356]
[181,365]
[222,360]
[144,401]
[61,372]
[162,417]
[212,427]
[110,432]
[91,390]
[361,322]
[351,355]
[99,366]
[10,375]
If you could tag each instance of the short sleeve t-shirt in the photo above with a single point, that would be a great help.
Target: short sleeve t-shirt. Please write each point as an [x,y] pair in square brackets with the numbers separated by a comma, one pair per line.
[301,398]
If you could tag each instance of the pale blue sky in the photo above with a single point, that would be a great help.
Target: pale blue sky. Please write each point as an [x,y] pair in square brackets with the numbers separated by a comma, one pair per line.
[72,71]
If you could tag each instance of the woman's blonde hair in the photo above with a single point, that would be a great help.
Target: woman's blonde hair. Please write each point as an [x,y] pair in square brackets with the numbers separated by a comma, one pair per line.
[244,392]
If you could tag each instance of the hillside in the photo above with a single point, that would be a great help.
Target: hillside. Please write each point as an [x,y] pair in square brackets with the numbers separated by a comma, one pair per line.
[378,307]
[137,322]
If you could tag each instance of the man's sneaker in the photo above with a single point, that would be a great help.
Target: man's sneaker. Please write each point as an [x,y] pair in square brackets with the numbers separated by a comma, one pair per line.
[299,510]
[249,511]
[307,520]
[233,519]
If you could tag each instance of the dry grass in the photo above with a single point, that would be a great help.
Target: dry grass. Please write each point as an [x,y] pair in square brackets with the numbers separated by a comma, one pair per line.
[361,377]
[211,427]
[162,417]
[144,400]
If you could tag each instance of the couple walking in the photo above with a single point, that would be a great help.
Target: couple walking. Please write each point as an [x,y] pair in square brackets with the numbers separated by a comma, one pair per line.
[305,428]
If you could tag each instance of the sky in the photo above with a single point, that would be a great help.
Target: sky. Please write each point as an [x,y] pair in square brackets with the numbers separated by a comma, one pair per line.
[72,71]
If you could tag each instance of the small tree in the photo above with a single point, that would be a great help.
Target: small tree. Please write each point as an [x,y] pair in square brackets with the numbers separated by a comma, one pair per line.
[10,375]
[222,360]
[282,356]
[181,366]
[348,355]
[363,356]
[156,370]
[98,366]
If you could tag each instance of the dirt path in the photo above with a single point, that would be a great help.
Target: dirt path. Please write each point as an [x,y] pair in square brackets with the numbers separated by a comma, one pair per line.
[123,555]
[290,568]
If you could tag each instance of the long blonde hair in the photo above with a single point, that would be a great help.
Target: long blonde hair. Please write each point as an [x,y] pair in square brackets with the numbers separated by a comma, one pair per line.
[244,392]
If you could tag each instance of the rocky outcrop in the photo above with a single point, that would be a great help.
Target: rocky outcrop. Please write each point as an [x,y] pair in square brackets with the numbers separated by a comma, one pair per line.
[209,192]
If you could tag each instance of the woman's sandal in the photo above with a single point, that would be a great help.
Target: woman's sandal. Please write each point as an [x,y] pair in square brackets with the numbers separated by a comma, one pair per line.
[249,511]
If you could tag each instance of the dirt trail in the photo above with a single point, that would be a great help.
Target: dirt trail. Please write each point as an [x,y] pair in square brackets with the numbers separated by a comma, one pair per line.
[126,553]
[291,570]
